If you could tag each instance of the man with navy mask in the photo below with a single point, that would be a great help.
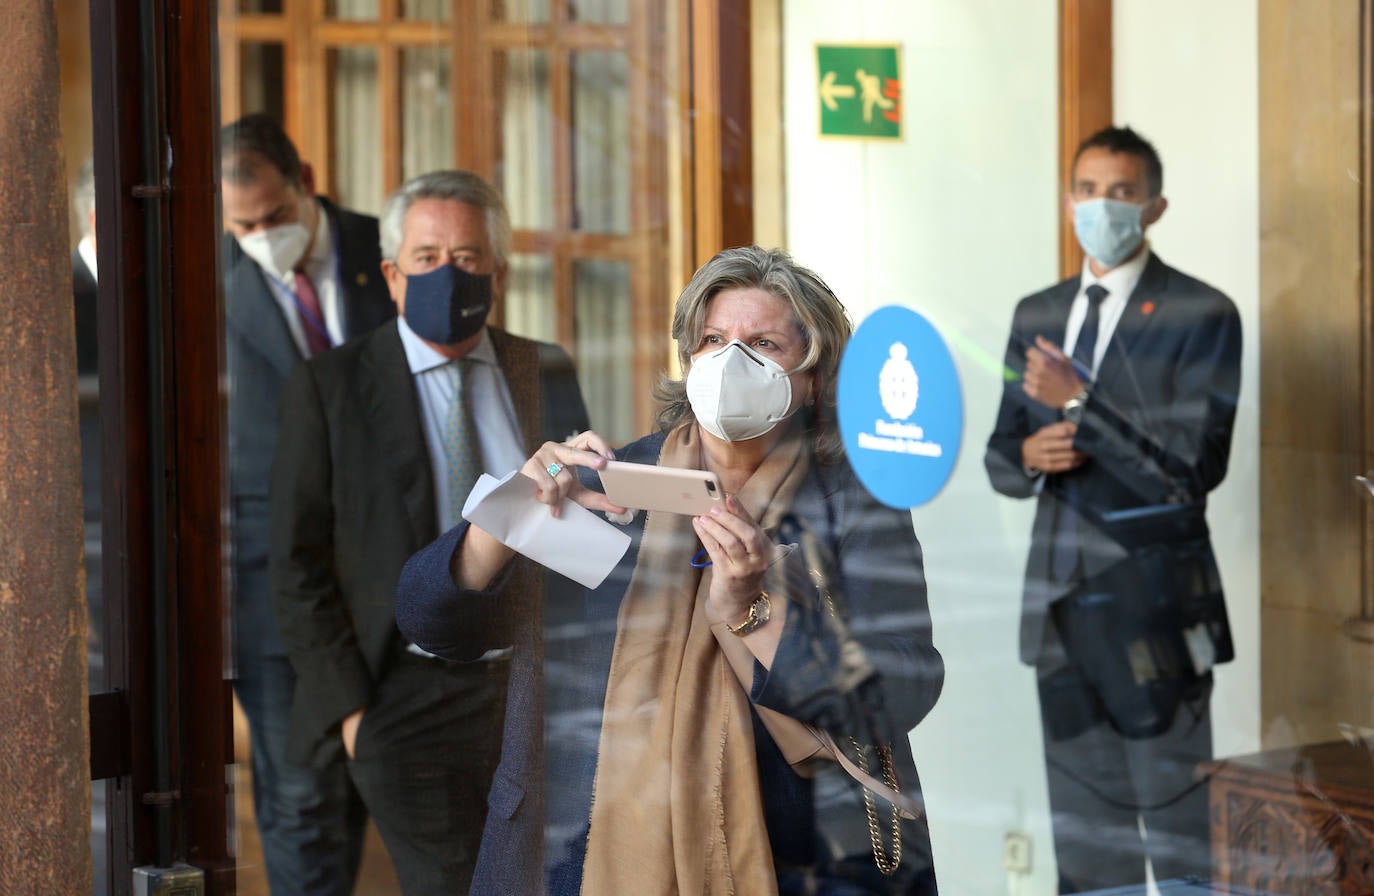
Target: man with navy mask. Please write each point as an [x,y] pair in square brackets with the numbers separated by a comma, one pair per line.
[381,443]
[1116,416]
[300,275]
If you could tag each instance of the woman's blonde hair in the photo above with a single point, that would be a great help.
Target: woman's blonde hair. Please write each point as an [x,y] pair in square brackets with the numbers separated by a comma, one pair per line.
[823,321]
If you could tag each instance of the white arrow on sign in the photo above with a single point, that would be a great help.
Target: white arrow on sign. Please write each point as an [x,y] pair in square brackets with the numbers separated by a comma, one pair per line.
[830,91]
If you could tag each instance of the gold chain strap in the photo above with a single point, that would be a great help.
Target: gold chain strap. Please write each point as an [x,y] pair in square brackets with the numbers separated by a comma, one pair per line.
[887,864]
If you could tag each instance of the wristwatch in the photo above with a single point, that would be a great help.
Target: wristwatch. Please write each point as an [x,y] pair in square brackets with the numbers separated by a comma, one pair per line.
[1072,410]
[760,611]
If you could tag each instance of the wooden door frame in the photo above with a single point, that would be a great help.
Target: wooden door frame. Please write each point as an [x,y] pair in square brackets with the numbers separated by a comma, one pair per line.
[1085,101]
[165,714]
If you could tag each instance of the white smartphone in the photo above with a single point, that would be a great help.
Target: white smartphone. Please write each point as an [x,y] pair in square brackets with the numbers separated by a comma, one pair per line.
[671,489]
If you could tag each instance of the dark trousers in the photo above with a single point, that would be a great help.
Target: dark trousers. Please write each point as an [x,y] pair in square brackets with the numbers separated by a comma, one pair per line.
[425,753]
[1102,786]
[310,820]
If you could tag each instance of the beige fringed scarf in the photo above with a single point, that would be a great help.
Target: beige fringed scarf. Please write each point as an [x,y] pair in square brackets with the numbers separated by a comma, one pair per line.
[676,807]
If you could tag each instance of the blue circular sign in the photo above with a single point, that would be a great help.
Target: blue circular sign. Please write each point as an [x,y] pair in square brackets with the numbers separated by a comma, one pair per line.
[901,410]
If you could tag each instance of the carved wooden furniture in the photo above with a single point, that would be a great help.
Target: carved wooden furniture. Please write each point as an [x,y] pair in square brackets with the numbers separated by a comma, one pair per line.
[1297,822]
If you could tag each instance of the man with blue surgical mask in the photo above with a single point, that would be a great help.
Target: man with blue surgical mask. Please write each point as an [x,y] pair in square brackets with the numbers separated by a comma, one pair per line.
[300,275]
[381,442]
[1116,415]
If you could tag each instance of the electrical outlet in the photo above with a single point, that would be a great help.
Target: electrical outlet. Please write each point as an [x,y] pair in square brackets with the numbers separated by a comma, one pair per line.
[1016,852]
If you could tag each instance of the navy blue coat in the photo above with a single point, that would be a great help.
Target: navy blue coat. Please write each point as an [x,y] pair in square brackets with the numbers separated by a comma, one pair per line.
[880,567]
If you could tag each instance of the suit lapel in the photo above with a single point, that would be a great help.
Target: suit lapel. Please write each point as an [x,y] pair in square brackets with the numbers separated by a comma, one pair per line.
[1141,310]
[356,268]
[393,417]
[519,360]
[254,315]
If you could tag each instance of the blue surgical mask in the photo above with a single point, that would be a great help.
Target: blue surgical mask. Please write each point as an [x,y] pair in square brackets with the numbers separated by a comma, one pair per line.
[1108,229]
[447,305]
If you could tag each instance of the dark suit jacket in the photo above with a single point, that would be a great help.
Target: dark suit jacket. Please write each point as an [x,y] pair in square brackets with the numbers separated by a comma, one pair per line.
[353,498]
[260,356]
[1156,427]
[87,337]
[879,564]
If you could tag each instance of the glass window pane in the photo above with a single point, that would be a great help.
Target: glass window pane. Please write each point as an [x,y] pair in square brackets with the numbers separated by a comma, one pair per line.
[426,111]
[425,10]
[602,12]
[530,310]
[526,12]
[260,79]
[352,10]
[604,342]
[525,169]
[357,172]
[601,143]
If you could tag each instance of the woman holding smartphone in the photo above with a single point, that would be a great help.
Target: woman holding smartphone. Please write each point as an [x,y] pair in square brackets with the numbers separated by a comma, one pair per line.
[643,750]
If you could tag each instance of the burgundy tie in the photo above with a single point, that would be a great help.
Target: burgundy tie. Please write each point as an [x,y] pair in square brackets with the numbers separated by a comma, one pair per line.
[312,315]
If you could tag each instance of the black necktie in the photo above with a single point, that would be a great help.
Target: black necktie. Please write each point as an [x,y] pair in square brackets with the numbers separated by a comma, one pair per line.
[1067,552]
[1087,336]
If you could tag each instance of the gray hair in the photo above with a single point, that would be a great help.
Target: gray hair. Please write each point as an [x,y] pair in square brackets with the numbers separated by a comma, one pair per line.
[459,186]
[822,319]
[83,195]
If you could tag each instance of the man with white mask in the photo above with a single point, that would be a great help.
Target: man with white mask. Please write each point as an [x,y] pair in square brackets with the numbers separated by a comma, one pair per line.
[301,275]
[1118,402]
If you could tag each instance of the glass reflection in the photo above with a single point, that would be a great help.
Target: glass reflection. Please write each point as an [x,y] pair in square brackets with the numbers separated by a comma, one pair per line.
[262,78]
[599,12]
[604,336]
[426,111]
[526,138]
[529,308]
[601,145]
[357,171]
[425,10]
[520,12]
[355,10]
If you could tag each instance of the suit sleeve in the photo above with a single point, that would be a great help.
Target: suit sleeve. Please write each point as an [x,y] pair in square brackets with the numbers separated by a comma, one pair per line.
[315,622]
[564,411]
[449,621]
[1002,459]
[1175,447]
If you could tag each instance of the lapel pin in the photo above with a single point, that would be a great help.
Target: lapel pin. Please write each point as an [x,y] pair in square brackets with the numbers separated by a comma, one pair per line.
[1147,308]
[362,279]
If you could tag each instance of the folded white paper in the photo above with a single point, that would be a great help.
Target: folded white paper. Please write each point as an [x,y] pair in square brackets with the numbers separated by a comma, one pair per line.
[577,543]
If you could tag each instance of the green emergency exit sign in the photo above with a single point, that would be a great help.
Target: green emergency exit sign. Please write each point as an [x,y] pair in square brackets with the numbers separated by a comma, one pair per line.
[859,89]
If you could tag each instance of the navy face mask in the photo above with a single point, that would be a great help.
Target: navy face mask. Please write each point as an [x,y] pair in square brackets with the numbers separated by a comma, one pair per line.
[447,305]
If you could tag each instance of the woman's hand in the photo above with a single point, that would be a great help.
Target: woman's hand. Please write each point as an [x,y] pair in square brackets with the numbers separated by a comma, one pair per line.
[552,469]
[740,553]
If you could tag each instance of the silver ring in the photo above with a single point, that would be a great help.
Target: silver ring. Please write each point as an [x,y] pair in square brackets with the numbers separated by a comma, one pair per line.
[554,469]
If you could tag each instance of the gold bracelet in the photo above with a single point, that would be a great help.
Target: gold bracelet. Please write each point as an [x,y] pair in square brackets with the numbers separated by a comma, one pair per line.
[760,611]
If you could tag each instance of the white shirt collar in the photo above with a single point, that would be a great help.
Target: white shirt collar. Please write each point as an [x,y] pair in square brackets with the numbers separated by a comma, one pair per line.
[421,356]
[322,246]
[87,249]
[1121,280]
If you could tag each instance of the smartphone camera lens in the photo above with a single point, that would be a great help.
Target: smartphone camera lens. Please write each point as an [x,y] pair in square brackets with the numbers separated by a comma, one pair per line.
[710,486]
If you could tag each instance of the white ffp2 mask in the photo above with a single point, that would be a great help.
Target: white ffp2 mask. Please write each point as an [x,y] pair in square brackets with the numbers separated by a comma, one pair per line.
[277,250]
[738,394]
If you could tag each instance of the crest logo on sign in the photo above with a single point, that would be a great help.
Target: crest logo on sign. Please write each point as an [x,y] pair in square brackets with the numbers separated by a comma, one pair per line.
[900,407]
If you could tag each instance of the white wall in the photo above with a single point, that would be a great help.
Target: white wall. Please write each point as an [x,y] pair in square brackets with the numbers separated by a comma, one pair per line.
[1186,74]
[959,220]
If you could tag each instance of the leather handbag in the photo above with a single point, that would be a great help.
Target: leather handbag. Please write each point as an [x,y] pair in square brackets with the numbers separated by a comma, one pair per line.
[853,694]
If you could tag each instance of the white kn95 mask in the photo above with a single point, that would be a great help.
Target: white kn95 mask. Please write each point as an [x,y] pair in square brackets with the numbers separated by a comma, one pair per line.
[737,394]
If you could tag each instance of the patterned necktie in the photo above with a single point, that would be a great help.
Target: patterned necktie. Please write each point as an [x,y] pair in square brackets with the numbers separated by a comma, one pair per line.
[311,315]
[1067,554]
[460,439]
